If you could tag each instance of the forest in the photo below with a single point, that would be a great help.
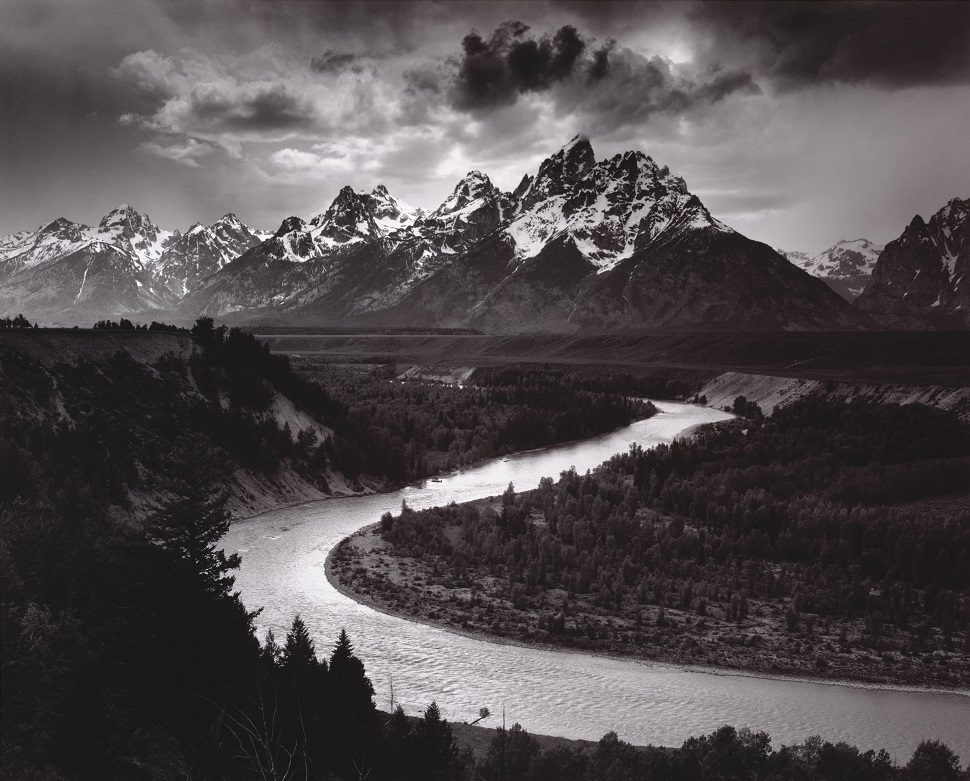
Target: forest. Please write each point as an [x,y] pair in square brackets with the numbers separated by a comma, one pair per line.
[829,539]
[411,430]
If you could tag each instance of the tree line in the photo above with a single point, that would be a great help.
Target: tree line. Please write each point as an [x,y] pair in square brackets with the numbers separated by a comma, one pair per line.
[816,509]
[18,322]
[124,324]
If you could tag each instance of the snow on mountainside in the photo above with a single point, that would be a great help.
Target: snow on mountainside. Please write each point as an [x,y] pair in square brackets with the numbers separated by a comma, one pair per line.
[126,228]
[606,208]
[845,267]
[614,243]
[201,251]
[922,278]
[65,271]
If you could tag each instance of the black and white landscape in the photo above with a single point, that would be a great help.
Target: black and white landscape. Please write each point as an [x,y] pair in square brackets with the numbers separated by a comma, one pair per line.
[612,244]
[496,390]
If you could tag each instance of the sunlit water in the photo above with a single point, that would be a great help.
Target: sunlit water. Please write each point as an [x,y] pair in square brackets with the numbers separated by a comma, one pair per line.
[560,693]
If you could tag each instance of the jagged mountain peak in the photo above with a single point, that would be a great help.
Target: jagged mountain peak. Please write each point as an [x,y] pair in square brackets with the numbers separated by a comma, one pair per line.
[229,218]
[560,171]
[616,242]
[523,186]
[61,226]
[128,229]
[845,267]
[609,209]
[473,190]
[289,225]
[955,212]
[125,215]
[391,213]
[920,276]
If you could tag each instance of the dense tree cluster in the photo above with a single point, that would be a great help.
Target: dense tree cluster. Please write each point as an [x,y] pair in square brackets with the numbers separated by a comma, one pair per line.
[726,753]
[124,324]
[815,509]
[125,654]
[651,384]
[15,322]
[410,430]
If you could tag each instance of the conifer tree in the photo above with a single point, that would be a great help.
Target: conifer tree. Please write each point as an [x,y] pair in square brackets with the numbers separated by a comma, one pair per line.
[298,652]
[190,528]
[434,744]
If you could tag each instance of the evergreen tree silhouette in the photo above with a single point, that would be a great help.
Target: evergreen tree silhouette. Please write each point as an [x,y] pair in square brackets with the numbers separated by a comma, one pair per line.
[298,651]
[190,528]
[434,745]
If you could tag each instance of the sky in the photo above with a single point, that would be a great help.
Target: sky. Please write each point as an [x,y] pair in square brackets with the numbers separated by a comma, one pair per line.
[798,124]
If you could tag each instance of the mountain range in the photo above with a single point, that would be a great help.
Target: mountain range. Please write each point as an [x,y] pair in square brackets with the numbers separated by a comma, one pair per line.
[65,272]
[612,244]
[845,267]
[922,278]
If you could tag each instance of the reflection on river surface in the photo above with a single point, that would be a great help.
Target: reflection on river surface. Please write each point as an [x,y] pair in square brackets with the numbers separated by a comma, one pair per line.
[569,694]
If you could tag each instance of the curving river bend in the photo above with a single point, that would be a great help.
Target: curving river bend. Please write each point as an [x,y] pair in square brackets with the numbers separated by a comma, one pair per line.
[558,693]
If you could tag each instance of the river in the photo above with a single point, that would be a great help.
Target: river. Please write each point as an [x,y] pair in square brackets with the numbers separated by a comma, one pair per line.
[558,693]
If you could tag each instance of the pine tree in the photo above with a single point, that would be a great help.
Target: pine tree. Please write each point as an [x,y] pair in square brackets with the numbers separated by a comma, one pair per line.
[434,744]
[271,653]
[298,652]
[190,528]
[343,652]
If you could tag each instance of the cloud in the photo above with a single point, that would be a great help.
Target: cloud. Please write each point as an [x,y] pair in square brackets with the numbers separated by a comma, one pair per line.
[607,85]
[249,108]
[268,95]
[336,62]
[184,153]
[799,44]
[623,87]
[495,72]
[288,159]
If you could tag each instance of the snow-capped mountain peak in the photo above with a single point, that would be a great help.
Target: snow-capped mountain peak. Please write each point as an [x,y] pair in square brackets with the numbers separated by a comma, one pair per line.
[472,191]
[845,266]
[560,171]
[202,251]
[609,209]
[127,228]
[291,224]
[921,276]
[948,222]
[390,213]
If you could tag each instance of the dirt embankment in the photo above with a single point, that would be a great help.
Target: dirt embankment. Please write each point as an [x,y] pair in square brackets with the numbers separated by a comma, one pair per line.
[771,392]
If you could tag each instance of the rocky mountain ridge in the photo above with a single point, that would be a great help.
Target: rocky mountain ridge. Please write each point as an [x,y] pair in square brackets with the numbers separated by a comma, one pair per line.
[66,271]
[922,278]
[577,244]
[845,266]
[612,244]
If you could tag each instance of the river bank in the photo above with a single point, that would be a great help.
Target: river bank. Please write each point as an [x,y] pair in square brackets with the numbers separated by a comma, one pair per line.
[364,568]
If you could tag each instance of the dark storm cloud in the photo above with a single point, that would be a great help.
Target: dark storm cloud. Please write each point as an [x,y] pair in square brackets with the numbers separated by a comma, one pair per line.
[623,88]
[599,67]
[496,71]
[891,44]
[332,62]
[610,84]
[273,108]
